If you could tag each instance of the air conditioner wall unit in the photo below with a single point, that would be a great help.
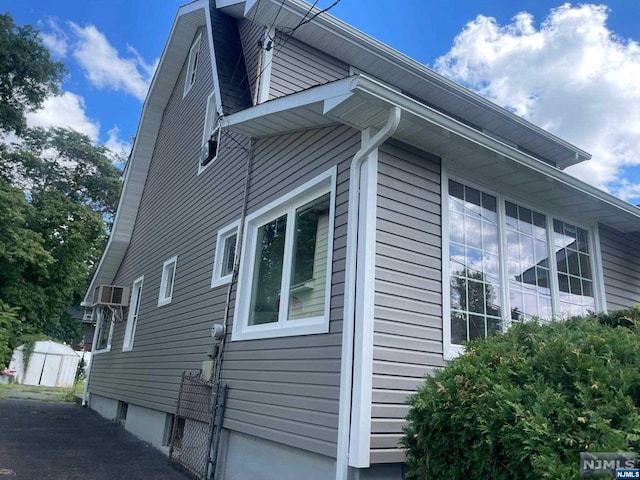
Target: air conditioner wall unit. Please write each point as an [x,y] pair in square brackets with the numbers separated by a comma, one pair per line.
[111,295]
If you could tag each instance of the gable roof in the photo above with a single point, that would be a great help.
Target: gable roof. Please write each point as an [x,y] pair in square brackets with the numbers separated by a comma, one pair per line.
[188,19]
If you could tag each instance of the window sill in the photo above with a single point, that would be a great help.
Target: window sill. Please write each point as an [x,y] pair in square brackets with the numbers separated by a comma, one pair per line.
[164,301]
[275,331]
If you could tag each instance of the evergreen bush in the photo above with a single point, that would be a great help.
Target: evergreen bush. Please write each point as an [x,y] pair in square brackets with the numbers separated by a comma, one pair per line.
[525,403]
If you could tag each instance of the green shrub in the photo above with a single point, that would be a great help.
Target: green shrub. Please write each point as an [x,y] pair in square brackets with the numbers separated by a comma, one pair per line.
[525,403]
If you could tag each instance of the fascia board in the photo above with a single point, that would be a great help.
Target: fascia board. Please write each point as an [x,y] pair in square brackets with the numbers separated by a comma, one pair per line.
[377,90]
[339,89]
[333,94]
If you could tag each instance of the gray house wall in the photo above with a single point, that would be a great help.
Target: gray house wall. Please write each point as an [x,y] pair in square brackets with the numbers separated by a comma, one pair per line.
[297,66]
[621,268]
[250,34]
[230,62]
[171,338]
[408,299]
[287,389]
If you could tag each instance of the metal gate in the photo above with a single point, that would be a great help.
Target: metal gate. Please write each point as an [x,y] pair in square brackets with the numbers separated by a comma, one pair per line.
[199,410]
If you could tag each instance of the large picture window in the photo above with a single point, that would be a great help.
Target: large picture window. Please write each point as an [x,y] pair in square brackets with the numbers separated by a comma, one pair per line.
[500,269]
[285,271]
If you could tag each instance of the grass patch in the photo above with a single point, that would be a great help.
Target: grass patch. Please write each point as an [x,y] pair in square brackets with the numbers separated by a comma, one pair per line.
[46,394]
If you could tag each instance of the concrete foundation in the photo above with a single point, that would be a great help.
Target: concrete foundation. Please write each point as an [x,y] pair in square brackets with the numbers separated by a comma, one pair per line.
[244,457]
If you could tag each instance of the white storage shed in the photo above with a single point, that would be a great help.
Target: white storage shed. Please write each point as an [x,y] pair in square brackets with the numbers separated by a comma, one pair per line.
[51,365]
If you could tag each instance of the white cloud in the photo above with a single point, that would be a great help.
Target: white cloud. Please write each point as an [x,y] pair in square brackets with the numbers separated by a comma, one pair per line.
[105,67]
[572,76]
[119,149]
[55,39]
[66,110]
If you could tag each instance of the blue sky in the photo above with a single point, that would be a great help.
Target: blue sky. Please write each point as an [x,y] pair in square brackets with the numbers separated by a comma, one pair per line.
[571,68]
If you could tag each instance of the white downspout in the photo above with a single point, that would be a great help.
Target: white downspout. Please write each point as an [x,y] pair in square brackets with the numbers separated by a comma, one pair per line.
[348,324]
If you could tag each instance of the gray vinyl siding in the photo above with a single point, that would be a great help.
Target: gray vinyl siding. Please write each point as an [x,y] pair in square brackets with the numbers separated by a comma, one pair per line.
[250,34]
[287,389]
[230,63]
[297,66]
[174,337]
[408,298]
[621,268]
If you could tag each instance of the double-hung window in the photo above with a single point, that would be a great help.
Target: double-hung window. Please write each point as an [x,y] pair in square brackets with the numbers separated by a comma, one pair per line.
[132,318]
[210,135]
[104,329]
[285,272]
[166,283]
[508,262]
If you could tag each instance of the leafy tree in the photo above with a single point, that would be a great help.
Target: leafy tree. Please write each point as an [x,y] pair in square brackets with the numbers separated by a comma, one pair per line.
[27,74]
[8,325]
[58,197]
[67,161]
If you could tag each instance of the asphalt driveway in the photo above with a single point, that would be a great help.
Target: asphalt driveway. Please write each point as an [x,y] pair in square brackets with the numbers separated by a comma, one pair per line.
[63,441]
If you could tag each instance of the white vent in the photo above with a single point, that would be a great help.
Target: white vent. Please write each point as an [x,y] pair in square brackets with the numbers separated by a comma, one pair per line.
[111,295]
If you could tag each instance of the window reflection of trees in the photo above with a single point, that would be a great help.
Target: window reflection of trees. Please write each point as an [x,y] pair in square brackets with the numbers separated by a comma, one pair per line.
[475,278]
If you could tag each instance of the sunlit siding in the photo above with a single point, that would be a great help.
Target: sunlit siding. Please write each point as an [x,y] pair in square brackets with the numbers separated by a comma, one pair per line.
[296,66]
[408,299]
[621,268]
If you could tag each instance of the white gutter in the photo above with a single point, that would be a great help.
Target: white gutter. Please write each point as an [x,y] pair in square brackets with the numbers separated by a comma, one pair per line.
[349,321]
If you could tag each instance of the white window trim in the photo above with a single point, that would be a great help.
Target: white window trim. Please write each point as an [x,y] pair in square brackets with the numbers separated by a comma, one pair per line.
[223,234]
[318,186]
[211,128]
[132,323]
[450,350]
[100,317]
[195,48]
[162,300]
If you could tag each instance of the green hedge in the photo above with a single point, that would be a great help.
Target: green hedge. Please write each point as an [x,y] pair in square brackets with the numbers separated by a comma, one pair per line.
[524,404]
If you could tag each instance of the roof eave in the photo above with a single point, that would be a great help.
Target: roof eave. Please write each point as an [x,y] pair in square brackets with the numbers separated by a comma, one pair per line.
[337,99]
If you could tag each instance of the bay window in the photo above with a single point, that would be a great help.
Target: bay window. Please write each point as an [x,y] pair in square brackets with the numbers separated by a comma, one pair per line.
[508,263]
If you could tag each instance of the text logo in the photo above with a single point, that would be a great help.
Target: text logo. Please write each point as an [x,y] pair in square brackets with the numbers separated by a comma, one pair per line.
[598,464]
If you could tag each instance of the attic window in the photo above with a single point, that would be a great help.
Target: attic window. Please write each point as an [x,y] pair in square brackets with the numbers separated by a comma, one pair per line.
[210,136]
[192,66]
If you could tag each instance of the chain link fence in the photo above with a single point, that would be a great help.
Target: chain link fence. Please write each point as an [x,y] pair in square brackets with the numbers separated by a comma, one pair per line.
[193,426]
